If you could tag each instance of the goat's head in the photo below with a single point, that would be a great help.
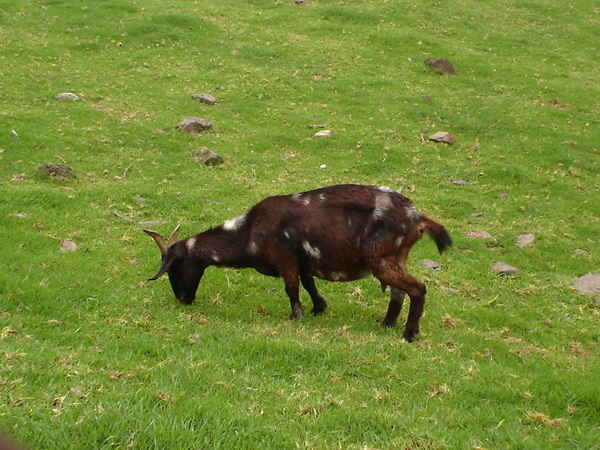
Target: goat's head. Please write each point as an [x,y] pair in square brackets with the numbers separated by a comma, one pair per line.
[184,273]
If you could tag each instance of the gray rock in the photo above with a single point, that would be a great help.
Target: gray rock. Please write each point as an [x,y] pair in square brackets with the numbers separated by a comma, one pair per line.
[206,156]
[504,269]
[67,246]
[59,171]
[151,223]
[525,240]
[194,125]
[323,133]
[441,66]
[430,264]
[587,284]
[479,235]
[459,182]
[67,96]
[205,98]
[443,136]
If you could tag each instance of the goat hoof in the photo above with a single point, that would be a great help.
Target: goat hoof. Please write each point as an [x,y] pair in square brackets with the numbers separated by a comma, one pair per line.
[296,316]
[316,312]
[409,335]
[388,324]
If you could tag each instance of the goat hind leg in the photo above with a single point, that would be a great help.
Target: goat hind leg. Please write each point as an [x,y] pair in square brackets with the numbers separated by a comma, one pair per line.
[319,303]
[292,289]
[392,273]
[394,308]
[417,302]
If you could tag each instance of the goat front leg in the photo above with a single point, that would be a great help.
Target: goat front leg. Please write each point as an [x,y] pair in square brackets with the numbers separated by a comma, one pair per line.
[319,303]
[396,302]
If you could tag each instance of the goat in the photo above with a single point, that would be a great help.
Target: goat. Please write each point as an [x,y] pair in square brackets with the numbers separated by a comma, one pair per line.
[336,233]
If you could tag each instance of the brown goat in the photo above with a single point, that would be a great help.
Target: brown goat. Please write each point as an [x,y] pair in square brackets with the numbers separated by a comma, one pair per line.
[336,233]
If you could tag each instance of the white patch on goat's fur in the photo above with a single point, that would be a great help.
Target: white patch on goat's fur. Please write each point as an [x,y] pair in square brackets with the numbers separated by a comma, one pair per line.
[412,213]
[191,243]
[286,234]
[385,189]
[299,198]
[215,257]
[382,203]
[234,224]
[399,241]
[312,251]
[322,197]
[253,248]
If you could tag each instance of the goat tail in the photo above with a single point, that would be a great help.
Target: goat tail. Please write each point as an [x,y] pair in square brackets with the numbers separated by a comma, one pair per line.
[436,232]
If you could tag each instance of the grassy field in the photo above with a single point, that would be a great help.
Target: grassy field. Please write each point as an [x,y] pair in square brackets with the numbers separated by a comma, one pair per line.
[94,356]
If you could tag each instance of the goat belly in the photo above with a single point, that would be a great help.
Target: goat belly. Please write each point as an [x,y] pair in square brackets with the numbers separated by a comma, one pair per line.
[337,263]
[346,274]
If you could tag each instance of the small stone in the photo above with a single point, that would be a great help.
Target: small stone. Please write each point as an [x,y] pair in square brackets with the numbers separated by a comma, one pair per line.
[316,126]
[67,96]
[206,156]
[151,223]
[430,264]
[194,125]
[67,246]
[59,171]
[587,284]
[205,98]
[441,66]
[459,182]
[476,214]
[323,133]
[525,240]
[504,269]
[443,136]
[479,235]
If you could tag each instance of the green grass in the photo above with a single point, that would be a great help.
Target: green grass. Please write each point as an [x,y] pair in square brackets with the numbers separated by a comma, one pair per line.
[93,356]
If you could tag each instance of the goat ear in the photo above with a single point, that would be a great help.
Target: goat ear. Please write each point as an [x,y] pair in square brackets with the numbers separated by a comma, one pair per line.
[160,241]
[166,265]
[174,236]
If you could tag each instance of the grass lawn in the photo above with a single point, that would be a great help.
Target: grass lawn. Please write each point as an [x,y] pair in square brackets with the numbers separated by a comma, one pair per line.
[94,356]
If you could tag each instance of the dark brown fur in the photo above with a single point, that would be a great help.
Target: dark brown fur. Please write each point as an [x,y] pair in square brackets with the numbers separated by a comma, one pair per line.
[336,233]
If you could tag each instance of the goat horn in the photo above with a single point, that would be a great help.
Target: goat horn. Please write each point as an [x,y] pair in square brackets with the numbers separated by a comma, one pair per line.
[160,241]
[174,237]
